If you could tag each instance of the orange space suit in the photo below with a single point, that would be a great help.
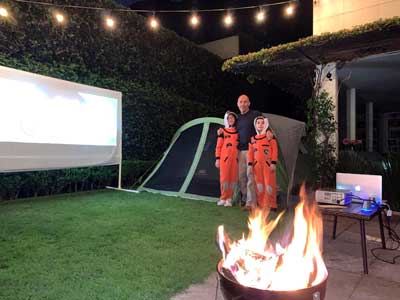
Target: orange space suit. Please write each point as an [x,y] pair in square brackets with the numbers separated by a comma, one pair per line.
[227,154]
[263,153]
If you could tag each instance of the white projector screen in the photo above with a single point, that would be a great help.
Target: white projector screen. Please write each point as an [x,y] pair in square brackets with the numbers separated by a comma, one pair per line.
[48,123]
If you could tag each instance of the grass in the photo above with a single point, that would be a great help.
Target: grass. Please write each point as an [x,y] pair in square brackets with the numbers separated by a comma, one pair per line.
[108,245]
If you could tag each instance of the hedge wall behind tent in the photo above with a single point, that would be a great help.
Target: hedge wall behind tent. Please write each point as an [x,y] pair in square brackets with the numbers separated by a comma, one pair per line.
[165,79]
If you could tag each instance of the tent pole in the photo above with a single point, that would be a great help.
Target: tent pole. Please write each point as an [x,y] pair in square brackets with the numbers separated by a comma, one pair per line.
[120,144]
[196,159]
[119,173]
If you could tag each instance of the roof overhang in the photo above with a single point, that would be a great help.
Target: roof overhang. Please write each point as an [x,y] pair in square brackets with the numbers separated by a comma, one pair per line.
[291,66]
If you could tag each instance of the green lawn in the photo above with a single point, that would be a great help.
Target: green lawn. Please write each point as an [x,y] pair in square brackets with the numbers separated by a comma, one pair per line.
[108,245]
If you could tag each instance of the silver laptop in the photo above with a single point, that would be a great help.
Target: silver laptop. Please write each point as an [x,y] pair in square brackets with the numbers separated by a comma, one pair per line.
[363,186]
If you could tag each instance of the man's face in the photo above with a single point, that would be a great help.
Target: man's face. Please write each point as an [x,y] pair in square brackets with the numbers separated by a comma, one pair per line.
[243,103]
[231,120]
[260,124]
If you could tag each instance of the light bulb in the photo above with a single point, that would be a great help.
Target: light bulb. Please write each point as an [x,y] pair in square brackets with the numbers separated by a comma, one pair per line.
[290,10]
[110,22]
[153,23]
[3,12]
[59,18]
[194,20]
[260,16]
[228,20]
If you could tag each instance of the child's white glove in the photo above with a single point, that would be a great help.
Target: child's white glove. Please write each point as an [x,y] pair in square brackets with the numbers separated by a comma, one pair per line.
[217,163]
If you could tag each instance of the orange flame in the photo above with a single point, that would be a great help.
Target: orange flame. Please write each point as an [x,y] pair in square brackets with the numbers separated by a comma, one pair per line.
[257,262]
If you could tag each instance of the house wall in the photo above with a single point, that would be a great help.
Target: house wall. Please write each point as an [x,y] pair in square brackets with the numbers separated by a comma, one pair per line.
[224,48]
[334,15]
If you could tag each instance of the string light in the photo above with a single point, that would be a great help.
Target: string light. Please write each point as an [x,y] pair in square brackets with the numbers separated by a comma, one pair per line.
[110,22]
[38,2]
[260,16]
[154,22]
[228,20]
[3,12]
[194,20]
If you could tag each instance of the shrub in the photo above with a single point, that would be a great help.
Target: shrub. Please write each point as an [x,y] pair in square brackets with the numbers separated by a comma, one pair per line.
[391,177]
[40,183]
[321,126]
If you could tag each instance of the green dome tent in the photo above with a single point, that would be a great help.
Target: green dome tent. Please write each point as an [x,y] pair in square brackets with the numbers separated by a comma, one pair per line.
[187,167]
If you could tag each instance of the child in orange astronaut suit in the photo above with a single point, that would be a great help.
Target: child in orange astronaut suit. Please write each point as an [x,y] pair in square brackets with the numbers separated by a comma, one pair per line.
[262,157]
[226,159]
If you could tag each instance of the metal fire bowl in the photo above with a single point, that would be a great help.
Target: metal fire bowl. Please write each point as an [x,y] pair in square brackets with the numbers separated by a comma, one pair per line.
[233,290]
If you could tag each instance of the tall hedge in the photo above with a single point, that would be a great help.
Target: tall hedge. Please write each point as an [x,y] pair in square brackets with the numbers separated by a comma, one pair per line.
[165,79]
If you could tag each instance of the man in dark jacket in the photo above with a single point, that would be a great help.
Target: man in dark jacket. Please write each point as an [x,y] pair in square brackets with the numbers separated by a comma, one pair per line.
[245,127]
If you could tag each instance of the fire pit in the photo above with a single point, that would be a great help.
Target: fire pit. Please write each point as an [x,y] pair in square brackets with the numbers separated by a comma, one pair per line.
[232,290]
[290,268]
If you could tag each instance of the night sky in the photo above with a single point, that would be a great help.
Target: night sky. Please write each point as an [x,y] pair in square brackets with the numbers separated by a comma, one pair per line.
[277,29]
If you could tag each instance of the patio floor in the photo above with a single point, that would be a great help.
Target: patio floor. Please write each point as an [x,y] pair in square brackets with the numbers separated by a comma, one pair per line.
[344,262]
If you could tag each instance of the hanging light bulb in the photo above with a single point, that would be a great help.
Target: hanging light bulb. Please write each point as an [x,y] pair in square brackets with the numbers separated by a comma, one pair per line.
[154,22]
[228,20]
[110,22]
[59,17]
[260,16]
[289,10]
[3,12]
[194,20]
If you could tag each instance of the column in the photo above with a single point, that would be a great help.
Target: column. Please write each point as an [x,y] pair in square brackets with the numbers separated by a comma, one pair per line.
[330,84]
[369,126]
[383,134]
[351,113]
